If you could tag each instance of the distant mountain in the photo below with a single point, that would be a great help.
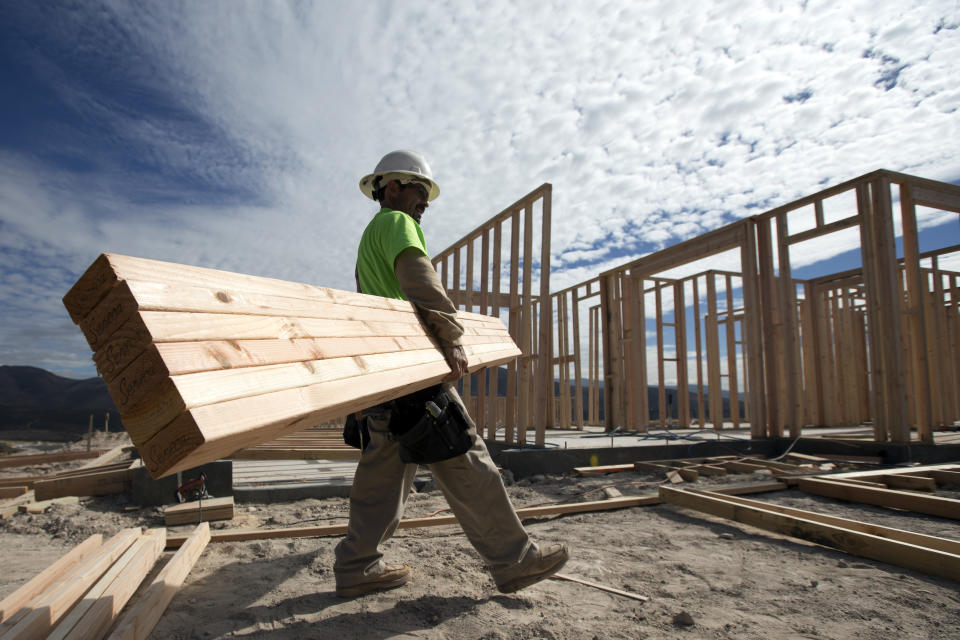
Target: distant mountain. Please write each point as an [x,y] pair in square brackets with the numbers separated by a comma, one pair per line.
[34,401]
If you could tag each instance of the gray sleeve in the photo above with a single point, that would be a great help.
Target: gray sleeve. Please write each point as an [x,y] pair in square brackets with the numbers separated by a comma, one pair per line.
[422,286]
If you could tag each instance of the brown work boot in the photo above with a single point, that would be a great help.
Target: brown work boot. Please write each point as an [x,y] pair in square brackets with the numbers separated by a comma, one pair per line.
[393,576]
[552,558]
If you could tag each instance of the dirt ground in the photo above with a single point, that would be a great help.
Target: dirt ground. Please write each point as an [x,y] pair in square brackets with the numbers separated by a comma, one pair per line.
[704,577]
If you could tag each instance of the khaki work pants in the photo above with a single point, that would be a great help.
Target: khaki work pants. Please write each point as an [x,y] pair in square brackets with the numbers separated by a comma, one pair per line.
[473,489]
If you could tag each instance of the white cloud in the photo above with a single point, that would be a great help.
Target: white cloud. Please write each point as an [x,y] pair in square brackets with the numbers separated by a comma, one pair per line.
[654,122]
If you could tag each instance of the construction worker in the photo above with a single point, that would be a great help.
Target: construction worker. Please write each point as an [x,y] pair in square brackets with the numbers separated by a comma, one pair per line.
[392,262]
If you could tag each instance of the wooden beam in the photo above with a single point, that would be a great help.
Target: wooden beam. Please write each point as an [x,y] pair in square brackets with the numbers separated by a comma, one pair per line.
[844,537]
[199,511]
[31,459]
[137,622]
[43,505]
[47,609]
[20,598]
[92,617]
[13,492]
[295,454]
[437,521]
[102,483]
[930,505]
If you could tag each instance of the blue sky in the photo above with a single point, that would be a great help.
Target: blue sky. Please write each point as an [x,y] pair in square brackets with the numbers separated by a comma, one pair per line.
[232,134]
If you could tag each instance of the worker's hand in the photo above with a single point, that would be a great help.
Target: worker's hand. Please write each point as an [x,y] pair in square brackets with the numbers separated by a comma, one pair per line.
[457,360]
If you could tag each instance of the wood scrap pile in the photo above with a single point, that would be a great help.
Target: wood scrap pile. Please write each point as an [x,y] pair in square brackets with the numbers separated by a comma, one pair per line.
[82,594]
[199,511]
[690,469]
[109,473]
[309,444]
[202,362]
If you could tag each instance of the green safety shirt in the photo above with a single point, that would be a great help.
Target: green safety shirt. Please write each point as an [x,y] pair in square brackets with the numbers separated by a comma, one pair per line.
[388,234]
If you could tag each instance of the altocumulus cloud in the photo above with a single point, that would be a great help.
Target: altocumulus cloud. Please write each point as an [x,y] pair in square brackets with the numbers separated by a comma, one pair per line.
[232,134]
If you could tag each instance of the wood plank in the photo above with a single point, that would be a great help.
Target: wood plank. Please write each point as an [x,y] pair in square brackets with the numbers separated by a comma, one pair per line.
[905,481]
[43,505]
[296,454]
[587,583]
[212,431]
[199,511]
[844,538]
[162,403]
[31,459]
[930,505]
[603,469]
[14,602]
[137,622]
[93,615]
[104,483]
[12,506]
[46,610]
[910,537]
[238,535]
[13,492]
[25,481]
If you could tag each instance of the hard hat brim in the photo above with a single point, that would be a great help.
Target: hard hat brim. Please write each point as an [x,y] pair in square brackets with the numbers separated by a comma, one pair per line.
[366,183]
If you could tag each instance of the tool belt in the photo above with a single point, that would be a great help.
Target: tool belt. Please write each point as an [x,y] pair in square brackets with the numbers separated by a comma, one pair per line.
[355,432]
[429,426]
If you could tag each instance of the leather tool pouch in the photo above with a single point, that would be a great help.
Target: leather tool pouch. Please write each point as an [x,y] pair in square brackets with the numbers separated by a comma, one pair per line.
[429,427]
[355,432]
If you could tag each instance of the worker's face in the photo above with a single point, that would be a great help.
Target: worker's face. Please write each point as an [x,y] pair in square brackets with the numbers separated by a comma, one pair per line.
[410,198]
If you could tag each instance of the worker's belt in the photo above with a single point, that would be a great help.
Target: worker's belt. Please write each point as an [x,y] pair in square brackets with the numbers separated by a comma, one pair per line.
[429,426]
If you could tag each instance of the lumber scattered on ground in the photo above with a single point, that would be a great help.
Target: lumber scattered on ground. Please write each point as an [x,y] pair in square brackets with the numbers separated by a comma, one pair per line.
[82,594]
[928,554]
[13,492]
[137,622]
[42,505]
[199,511]
[238,535]
[40,582]
[97,481]
[202,363]
[10,507]
[31,459]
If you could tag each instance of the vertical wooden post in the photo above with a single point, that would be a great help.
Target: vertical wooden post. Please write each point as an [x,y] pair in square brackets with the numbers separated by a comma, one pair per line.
[883,311]
[767,287]
[524,411]
[752,330]
[790,337]
[638,348]
[544,417]
[612,360]
[701,407]
[106,423]
[577,370]
[516,329]
[714,386]
[89,432]
[481,416]
[496,306]
[731,332]
[661,373]
[680,331]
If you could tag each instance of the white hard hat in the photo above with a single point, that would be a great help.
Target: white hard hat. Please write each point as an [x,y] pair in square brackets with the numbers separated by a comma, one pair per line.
[405,166]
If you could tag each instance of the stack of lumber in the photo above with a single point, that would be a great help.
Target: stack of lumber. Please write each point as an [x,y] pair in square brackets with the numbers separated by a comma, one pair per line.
[690,469]
[928,554]
[105,480]
[202,363]
[199,511]
[309,444]
[82,594]
[33,459]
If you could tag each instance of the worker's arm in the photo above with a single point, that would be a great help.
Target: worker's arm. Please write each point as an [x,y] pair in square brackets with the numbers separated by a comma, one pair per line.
[422,286]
